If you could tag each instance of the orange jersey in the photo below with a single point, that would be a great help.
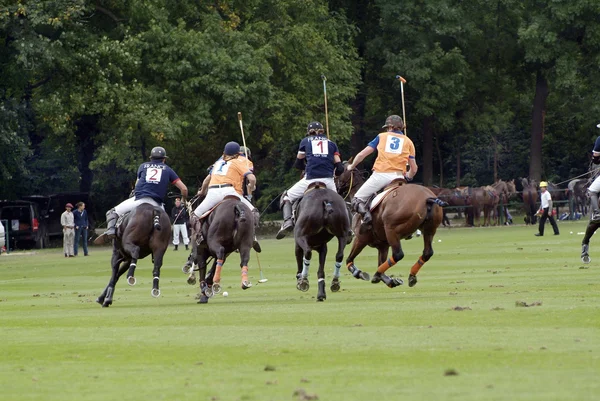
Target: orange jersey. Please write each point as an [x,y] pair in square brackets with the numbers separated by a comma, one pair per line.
[393,151]
[230,172]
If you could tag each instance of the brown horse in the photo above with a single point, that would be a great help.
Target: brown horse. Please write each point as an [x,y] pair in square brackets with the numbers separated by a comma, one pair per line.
[530,198]
[145,231]
[484,199]
[460,198]
[577,193]
[404,209]
[506,190]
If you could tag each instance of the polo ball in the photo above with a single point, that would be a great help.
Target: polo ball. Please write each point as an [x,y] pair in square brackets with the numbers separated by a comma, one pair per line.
[439,240]
[571,232]
[225,294]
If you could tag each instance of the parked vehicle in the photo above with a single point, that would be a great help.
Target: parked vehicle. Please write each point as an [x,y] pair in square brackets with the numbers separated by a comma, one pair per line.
[26,227]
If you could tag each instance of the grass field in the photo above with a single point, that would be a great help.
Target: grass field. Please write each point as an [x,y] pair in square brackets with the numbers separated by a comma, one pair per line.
[272,342]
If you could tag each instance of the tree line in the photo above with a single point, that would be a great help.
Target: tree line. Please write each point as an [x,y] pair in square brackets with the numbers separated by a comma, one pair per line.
[495,89]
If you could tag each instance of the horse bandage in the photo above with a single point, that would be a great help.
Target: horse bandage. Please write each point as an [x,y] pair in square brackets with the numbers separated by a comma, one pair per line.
[386,265]
[417,266]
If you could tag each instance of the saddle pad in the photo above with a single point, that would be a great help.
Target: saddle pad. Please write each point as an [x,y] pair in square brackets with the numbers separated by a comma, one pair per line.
[377,200]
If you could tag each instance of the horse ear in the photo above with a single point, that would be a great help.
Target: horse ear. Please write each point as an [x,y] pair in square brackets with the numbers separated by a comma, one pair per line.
[350,160]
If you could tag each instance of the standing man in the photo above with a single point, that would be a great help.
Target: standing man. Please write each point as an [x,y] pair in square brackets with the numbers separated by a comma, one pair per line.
[320,159]
[179,219]
[68,223]
[394,152]
[81,227]
[546,210]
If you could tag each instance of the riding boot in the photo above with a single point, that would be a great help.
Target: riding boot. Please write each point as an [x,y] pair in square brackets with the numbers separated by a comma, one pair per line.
[288,224]
[364,211]
[255,244]
[594,205]
[176,246]
[111,223]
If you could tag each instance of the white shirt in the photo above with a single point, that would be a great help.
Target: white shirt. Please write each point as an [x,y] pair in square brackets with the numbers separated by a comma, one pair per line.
[546,198]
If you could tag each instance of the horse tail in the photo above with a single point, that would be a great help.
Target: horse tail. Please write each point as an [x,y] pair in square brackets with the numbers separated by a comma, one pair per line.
[328,208]
[156,219]
[240,213]
[431,202]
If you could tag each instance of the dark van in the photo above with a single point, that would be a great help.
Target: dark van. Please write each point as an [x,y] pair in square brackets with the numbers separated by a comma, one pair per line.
[25,226]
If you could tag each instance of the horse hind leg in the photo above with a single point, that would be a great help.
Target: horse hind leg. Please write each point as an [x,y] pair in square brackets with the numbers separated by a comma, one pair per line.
[397,255]
[303,250]
[118,269]
[321,295]
[158,261]
[245,259]
[339,257]
[425,256]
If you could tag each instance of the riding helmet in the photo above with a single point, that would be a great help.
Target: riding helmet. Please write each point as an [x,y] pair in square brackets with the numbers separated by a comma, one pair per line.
[246,152]
[543,184]
[158,152]
[394,121]
[231,149]
[314,128]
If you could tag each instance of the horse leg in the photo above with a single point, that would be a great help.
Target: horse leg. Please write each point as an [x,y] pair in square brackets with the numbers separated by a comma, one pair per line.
[158,261]
[134,251]
[321,295]
[425,256]
[339,257]
[205,288]
[357,246]
[585,243]
[119,266]
[397,256]
[302,276]
[245,258]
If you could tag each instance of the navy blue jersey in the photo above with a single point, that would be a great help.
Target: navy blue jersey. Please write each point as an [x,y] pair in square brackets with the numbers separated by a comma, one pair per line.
[319,152]
[153,180]
[597,145]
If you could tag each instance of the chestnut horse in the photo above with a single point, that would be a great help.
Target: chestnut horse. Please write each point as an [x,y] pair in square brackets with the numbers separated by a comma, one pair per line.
[404,209]
[145,231]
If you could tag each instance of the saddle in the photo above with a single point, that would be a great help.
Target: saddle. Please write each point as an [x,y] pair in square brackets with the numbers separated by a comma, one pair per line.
[311,187]
[376,200]
[208,212]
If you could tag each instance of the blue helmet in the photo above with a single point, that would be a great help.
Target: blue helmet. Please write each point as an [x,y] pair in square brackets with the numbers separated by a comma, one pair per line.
[231,149]
[158,152]
[314,128]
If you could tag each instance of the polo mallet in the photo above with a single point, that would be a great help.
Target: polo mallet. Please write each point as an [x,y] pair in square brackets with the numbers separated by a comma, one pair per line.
[243,137]
[262,277]
[324,78]
[402,82]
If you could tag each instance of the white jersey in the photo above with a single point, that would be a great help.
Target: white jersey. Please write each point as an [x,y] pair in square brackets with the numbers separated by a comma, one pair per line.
[546,199]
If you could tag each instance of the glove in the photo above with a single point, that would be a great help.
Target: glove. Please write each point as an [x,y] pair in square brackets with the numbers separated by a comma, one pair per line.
[407,178]
[249,197]
[596,159]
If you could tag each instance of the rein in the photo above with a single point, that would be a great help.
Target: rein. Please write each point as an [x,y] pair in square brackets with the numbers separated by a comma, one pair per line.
[350,187]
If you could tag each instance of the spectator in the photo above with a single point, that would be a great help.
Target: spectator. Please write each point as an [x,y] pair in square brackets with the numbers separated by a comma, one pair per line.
[81,227]
[179,218]
[68,224]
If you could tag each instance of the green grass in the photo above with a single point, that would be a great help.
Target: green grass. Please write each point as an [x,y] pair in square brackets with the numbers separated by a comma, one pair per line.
[366,342]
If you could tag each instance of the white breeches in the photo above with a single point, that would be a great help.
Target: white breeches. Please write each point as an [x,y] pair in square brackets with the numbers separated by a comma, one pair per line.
[595,187]
[216,195]
[375,182]
[298,189]
[129,204]
[180,228]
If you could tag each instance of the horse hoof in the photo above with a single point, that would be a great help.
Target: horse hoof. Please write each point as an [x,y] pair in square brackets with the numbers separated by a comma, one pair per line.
[376,278]
[396,282]
[586,259]
[364,276]
[246,285]
[203,299]
[155,292]
[412,280]
[106,304]
[131,280]
[216,288]
[186,269]
[335,286]
[191,280]
[321,299]
[303,285]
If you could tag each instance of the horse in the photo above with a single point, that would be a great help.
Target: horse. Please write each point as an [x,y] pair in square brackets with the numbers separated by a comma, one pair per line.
[229,227]
[506,190]
[437,191]
[484,199]
[145,231]
[577,193]
[321,214]
[459,197]
[400,210]
[557,194]
[530,197]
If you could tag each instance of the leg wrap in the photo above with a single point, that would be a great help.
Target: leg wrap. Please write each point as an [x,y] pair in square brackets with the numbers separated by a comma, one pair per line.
[386,265]
[417,266]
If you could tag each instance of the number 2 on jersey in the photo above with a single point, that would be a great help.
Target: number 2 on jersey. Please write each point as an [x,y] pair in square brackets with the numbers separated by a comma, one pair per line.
[153,174]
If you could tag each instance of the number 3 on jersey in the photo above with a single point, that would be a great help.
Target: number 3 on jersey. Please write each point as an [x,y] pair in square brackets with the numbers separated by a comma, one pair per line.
[394,144]
[320,147]
[153,175]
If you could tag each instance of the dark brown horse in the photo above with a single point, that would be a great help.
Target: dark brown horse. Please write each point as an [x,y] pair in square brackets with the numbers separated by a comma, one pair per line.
[506,190]
[145,231]
[485,199]
[460,198]
[228,228]
[321,215]
[530,198]
[577,193]
[404,209]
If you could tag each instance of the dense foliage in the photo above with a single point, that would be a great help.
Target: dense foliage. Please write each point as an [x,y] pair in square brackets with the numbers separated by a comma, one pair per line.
[496,89]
